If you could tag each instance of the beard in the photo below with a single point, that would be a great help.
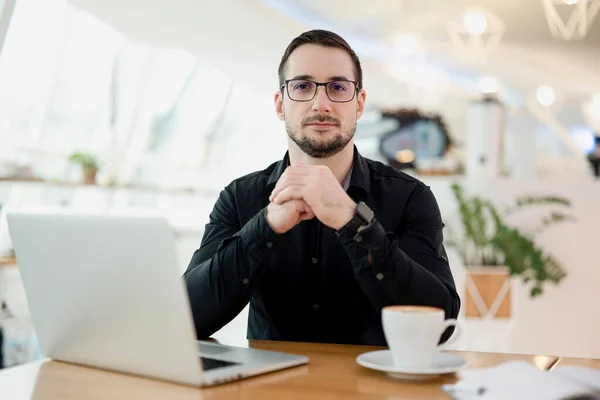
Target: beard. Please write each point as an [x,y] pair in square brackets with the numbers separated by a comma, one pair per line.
[321,148]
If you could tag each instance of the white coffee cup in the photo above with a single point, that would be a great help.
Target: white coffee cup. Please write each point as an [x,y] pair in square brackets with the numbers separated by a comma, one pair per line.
[413,334]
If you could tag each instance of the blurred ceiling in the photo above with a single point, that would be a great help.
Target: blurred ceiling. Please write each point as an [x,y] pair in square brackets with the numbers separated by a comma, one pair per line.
[525,19]
[527,55]
[245,39]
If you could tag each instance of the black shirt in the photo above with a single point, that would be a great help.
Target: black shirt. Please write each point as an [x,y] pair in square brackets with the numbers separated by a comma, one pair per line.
[311,284]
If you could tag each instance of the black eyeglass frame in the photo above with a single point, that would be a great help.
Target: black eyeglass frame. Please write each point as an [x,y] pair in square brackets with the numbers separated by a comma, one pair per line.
[317,84]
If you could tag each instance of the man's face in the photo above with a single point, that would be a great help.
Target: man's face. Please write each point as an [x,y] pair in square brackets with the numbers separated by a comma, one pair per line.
[320,127]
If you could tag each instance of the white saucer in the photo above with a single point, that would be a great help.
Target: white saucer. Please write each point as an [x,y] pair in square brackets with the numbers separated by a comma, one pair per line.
[381,360]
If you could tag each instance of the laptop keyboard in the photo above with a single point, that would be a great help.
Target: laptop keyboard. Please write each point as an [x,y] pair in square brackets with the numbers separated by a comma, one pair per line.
[211,363]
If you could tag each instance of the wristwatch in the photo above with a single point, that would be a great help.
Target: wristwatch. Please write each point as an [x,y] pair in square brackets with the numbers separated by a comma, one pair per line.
[363,215]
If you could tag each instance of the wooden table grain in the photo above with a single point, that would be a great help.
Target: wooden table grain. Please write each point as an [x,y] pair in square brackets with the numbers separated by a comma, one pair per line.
[332,373]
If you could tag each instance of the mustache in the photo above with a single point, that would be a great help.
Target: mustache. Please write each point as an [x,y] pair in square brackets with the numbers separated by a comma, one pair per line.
[321,119]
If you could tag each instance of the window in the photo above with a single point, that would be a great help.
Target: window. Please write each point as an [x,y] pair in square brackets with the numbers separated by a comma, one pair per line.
[70,82]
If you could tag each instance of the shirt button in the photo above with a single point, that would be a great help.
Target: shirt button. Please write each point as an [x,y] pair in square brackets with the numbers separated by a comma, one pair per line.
[315,306]
[269,244]
[314,260]
[245,281]
[379,276]
[358,238]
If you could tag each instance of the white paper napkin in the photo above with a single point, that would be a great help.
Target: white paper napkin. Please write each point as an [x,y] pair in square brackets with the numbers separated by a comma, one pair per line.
[518,380]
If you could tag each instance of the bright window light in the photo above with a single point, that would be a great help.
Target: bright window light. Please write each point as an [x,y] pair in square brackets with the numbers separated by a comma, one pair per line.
[68,81]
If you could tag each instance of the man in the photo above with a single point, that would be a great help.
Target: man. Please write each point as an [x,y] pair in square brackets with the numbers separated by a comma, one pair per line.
[319,242]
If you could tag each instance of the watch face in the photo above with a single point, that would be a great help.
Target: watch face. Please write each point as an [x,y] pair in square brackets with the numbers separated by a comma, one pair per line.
[365,212]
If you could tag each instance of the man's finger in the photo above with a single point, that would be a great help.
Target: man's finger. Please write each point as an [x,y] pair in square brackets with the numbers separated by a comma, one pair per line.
[307,216]
[289,193]
[307,208]
[307,212]
[287,181]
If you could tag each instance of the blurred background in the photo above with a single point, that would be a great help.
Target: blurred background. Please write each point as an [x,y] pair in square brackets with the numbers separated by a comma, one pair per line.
[154,106]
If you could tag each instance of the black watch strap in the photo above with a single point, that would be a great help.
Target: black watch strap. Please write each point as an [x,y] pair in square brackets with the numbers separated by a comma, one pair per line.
[363,215]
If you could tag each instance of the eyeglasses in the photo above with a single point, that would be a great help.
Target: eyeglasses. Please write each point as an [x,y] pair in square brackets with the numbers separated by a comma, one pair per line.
[304,90]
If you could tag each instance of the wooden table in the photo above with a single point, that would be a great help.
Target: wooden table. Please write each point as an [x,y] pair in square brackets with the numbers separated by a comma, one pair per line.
[332,373]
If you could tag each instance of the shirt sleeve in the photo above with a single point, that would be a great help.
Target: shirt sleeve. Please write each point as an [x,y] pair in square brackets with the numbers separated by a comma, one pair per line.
[224,272]
[408,266]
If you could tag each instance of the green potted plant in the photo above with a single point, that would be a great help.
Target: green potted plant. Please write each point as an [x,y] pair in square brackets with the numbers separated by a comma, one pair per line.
[89,165]
[493,251]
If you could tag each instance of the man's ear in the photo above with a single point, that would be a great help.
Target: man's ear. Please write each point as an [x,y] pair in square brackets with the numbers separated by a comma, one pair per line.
[360,104]
[279,105]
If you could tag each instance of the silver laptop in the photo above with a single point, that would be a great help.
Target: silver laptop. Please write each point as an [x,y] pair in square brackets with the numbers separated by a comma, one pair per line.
[106,291]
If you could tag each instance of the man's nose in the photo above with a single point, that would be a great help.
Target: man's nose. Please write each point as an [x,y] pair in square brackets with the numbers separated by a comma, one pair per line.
[321,102]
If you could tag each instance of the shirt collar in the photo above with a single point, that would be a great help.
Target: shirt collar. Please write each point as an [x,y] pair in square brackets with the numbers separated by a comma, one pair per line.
[360,171]
[346,181]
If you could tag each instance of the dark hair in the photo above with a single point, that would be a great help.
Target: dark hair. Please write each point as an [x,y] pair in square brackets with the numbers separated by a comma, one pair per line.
[322,38]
